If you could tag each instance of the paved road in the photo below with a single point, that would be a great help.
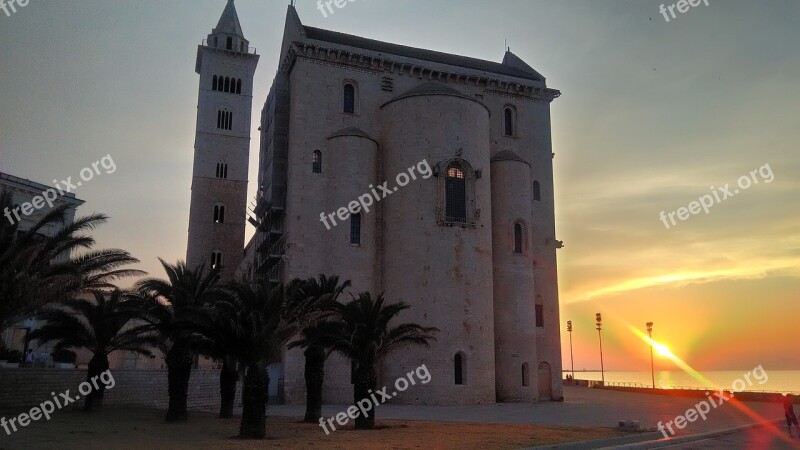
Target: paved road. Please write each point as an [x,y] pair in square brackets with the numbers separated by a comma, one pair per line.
[583,406]
[759,438]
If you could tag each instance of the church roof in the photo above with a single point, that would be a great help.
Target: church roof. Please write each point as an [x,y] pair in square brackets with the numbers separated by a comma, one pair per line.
[229,21]
[433,88]
[507,155]
[351,131]
[510,66]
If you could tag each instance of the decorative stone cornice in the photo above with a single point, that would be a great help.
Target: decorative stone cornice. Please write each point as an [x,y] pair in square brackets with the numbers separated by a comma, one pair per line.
[363,62]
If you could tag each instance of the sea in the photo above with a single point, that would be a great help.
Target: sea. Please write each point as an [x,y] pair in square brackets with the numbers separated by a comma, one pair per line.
[781,381]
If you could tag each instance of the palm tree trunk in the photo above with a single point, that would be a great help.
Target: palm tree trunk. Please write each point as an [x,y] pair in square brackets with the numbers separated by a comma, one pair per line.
[254,401]
[365,380]
[315,375]
[179,370]
[228,378]
[97,365]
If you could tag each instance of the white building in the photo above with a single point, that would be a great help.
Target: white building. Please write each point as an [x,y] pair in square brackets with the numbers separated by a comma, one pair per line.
[471,248]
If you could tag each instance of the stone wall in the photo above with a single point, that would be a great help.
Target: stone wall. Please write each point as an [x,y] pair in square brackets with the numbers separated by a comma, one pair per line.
[22,389]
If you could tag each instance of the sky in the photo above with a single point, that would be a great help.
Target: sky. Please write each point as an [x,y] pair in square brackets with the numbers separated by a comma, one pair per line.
[653,113]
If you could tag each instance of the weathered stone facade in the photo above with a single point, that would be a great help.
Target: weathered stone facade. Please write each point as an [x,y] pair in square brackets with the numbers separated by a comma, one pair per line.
[226,66]
[487,280]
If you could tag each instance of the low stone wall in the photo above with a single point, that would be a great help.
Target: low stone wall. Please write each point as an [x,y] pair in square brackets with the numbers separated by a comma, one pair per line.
[22,389]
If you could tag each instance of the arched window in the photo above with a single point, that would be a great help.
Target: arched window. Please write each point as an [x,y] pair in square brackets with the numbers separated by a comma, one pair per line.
[216,259]
[525,374]
[316,164]
[239,86]
[227,84]
[214,83]
[537,193]
[222,170]
[509,117]
[455,186]
[349,99]
[458,366]
[517,238]
[219,214]
[355,229]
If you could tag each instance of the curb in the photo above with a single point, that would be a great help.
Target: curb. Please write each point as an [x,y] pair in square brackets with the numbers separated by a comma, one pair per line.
[649,440]
[668,442]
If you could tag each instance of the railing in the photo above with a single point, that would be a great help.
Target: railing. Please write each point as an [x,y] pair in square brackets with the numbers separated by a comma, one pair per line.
[247,51]
[623,384]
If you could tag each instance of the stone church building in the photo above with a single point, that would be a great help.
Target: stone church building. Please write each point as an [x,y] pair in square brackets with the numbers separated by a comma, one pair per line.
[472,248]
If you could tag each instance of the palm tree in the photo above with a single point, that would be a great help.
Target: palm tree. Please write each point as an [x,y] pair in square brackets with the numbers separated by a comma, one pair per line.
[172,307]
[261,322]
[361,332]
[36,269]
[315,297]
[102,326]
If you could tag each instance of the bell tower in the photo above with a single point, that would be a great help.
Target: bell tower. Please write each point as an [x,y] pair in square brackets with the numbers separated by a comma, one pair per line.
[226,64]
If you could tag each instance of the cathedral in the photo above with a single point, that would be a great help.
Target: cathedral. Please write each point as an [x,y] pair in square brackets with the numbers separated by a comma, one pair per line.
[471,247]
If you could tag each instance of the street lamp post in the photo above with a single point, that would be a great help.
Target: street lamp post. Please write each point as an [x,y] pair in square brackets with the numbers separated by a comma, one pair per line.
[599,320]
[652,367]
[571,358]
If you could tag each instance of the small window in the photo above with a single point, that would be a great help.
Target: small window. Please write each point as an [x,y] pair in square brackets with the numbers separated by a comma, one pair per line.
[216,259]
[239,86]
[525,374]
[537,192]
[316,164]
[219,214]
[349,99]
[517,238]
[229,44]
[355,229]
[539,316]
[224,120]
[508,121]
[214,83]
[222,170]
[458,365]
[455,196]
[227,84]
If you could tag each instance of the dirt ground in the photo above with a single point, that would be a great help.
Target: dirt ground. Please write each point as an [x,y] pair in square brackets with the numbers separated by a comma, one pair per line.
[120,428]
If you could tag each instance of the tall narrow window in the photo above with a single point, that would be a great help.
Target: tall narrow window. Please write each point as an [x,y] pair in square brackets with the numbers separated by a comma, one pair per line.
[355,228]
[214,83]
[239,86]
[539,316]
[525,374]
[349,98]
[216,259]
[458,365]
[537,192]
[229,44]
[227,84]
[517,238]
[455,196]
[508,121]
[316,164]
[225,171]
[219,214]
